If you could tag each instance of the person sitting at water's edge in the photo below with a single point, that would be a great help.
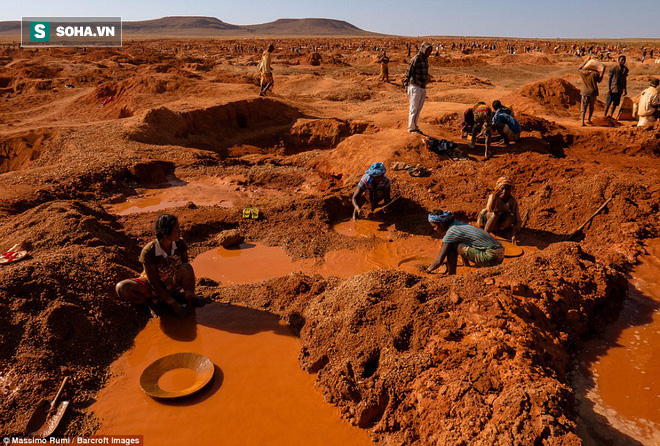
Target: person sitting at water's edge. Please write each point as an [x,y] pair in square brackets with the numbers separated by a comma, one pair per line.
[376,184]
[471,243]
[501,212]
[166,272]
[505,123]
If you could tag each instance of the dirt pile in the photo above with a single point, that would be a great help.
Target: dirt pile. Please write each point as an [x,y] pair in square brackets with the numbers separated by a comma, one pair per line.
[218,127]
[465,61]
[322,133]
[630,141]
[314,59]
[449,361]
[121,99]
[17,152]
[462,80]
[522,59]
[58,315]
[555,94]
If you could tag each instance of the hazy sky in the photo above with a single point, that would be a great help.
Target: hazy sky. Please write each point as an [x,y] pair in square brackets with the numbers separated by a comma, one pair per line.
[515,18]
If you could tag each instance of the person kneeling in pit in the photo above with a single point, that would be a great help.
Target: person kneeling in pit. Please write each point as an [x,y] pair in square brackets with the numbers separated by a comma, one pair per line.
[377,184]
[167,279]
[505,124]
[473,244]
[483,116]
[501,213]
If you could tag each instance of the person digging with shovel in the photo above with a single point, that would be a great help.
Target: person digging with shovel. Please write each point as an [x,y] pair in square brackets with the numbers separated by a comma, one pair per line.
[168,279]
[376,184]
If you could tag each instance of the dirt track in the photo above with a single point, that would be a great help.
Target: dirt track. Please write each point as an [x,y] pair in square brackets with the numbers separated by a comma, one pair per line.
[476,359]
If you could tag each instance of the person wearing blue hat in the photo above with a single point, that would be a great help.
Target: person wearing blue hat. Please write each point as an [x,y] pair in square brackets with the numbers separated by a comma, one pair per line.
[376,183]
[471,243]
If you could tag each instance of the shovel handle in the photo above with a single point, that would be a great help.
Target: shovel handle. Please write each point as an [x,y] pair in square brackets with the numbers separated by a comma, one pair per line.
[59,392]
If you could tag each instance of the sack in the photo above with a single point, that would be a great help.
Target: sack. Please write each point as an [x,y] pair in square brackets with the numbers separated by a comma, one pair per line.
[594,65]
[625,110]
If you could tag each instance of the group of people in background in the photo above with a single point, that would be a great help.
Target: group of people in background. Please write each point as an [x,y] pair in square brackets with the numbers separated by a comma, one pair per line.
[648,108]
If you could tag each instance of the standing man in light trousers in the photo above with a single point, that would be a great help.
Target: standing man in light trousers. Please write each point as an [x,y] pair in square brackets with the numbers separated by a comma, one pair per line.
[415,81]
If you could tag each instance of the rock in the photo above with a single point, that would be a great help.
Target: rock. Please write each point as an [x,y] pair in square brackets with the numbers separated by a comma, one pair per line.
[151,172]
[228,238]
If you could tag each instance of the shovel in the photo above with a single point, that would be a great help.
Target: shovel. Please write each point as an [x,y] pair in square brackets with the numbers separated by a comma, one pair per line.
[386,205]
[47,416]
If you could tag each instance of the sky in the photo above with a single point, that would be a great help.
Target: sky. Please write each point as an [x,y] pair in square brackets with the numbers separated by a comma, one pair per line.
[511,18]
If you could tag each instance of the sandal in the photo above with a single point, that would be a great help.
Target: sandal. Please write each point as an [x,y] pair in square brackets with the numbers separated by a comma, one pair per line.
[14,254]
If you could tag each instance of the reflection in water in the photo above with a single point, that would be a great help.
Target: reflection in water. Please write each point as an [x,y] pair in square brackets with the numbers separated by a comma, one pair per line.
[618,384]
[209,192]
[259,394]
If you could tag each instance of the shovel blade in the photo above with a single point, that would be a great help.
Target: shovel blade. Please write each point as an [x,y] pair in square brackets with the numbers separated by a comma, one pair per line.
[50,421]
[38,417]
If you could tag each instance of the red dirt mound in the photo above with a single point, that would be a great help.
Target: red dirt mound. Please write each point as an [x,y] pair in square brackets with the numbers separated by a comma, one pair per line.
[447,361]
[323,133]
[462,80]
[18,151]
[217,127]
[467,61]
[522,59]
[556,94]
[628,140]
[314,59]
[61,318]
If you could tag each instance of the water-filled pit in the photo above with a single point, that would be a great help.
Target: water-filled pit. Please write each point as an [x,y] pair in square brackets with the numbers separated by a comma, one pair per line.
[618,379]
[258,396]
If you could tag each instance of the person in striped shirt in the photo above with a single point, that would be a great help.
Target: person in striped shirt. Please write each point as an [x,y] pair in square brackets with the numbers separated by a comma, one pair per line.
[473,244]
[376,184]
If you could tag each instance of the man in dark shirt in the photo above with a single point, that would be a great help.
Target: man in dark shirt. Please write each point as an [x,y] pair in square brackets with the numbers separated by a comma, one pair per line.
[590,79]
[617,85]
[415,81]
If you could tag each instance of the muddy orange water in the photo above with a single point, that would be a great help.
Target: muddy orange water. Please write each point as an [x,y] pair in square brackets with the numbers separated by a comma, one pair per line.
[251,262]
[210,191]
[177,380]
[258,396]
[364,228]
[618,384]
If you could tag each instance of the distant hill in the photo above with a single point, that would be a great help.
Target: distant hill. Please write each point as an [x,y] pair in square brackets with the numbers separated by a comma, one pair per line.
[177,25]
[185,26]
[309,27]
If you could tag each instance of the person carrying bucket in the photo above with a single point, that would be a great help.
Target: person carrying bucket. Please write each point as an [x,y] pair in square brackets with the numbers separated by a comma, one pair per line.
[376,184]
[167,279]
